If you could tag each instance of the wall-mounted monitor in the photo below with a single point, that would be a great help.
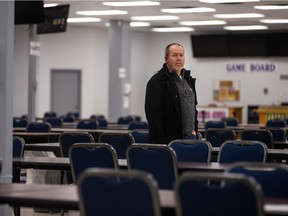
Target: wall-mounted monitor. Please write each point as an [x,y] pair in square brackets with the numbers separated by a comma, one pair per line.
[209,45]
[55,20]
[240,45]
[29,12]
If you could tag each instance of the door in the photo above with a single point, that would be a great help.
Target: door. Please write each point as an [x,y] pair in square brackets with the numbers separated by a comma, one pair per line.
[65,91]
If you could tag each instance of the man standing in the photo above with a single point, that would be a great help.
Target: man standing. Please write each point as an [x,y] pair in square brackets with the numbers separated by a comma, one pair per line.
[171,100]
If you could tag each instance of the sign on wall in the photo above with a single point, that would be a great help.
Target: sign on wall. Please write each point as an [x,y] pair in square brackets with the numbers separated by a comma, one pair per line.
[226,90]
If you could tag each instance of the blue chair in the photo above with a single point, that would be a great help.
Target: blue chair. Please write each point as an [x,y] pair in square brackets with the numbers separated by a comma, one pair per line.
[275,123]
[138,125]
[118,193]
[192,150]
[18,150]
[230,121]
[66,140]
[214,124]
[119,140]
[225,194]
[242,151]
[135,117]
[50,114]
[97,155]
[279,134]
[54,121]
[68,118]
[262,135]
[217,136]
[38,127]
[140,136]
[272,177]
[103,123]
[87,125]
[124,120]
[76,115]
[96,117]
[158,159]
[20,122]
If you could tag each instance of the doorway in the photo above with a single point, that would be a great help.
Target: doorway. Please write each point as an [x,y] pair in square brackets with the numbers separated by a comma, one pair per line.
[65,91]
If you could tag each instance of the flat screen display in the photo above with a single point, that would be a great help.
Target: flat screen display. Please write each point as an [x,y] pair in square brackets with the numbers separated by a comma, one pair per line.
[55,20]
[28,12]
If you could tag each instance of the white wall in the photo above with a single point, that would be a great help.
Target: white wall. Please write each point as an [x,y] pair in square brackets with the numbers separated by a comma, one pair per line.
[86,49]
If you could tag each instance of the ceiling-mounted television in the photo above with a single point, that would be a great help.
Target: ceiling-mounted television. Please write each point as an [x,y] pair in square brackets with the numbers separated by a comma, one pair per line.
[55,20]
[28,12]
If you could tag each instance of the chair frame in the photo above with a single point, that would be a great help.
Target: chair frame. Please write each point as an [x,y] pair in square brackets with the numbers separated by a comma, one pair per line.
[92,146]
[155,147]
[136,174]
[192,142]
[224,130]
[221,177]
[128,134]
[243,143]
[259,131]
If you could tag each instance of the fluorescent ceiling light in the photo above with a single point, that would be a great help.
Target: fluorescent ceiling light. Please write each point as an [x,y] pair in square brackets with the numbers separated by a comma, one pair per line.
[131,3]
[240,15]
[227,1]
[139,24]
[153,18]
[271,7]
[272,21]
[173,29]
[188,10]
[101,12]
[83,20]
[50,5]
[200,23]
[251,27]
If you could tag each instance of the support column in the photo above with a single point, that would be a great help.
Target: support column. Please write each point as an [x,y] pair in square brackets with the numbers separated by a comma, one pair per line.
[34,50]
[119,69]
[6,92]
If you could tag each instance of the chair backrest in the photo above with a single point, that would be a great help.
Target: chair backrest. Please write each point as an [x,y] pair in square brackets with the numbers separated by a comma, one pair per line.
[192,150]
[97,155]
[118,193]
[158,159]
[222,194]
[68,118]
[138,125]
[20,122]
[54,121]
[262,135]
[67,139]
[18,150]
[76,115]
[242,151]
[275,123]
[140,136]
[124,120]
[87,125]
[279,134]
[38,127]
[230,121]
[214,124]
[217,136]
[119,140]
[50,114]
[272,177]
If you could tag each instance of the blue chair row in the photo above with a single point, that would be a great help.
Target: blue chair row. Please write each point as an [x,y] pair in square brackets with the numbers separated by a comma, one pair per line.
[238,191]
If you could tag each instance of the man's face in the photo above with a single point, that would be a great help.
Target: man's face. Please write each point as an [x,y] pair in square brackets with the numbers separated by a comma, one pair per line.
[175,59]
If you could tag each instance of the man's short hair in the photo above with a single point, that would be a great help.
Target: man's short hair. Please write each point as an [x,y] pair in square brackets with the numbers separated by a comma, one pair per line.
[167,49]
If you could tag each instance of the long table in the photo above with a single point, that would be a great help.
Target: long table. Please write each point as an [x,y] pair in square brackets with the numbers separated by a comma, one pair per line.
[66,197]
[273,154]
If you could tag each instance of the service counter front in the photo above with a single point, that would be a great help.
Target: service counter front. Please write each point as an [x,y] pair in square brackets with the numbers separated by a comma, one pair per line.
[207,113]
[272,112]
